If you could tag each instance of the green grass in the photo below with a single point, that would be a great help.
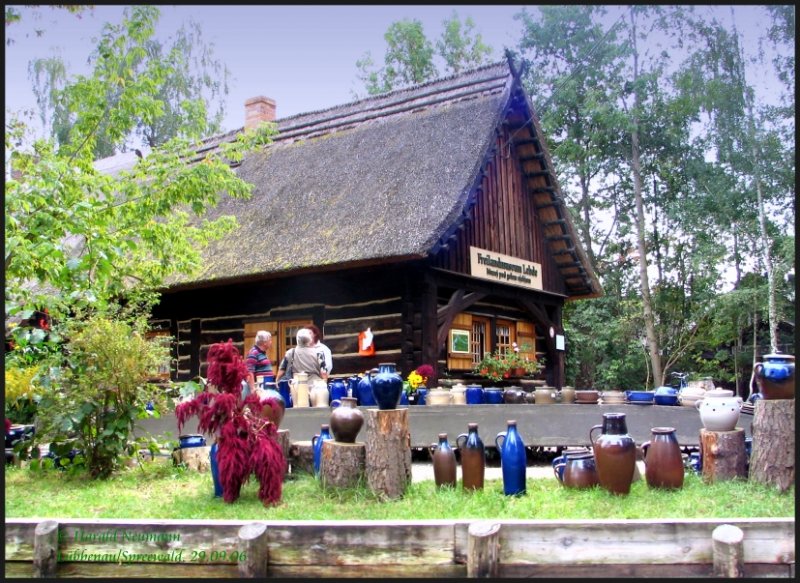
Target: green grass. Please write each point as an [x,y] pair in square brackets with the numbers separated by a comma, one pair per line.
[159,490]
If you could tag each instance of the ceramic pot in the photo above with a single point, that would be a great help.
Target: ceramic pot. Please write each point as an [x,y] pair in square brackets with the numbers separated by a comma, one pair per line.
[459,395]
[688,396]
[316,444]
[474,395]
[545,395]
[639,397]
[319,395]
[513,395]
[473,458]
[191,440]
[775,376]
[365,396]
[439,397]
[719,410]
[346,421]
[352,385]
[337,389]
[586,396]
[300,392]
[286,392]
[614,454]
[444,462]
[568,395]
[422,396]
[493,395]
[212,454]
[613,397]
[663,460]
[275,410]
[530,398]
[665,396]
[387,386]
[576,470]
[512,459]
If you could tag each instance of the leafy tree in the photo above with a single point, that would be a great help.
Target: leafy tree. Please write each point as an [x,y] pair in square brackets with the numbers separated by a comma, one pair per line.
[460,47]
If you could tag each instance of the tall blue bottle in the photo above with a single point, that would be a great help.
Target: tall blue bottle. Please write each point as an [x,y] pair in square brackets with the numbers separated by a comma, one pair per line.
[316,443]
[512,459]
[215,471]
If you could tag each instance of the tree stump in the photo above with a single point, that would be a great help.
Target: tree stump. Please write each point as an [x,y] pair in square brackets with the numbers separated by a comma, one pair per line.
[723,453]
[388,455]
[283,438]
[727,548]
[483,550]
[772,458]
[195,458]
[301,456]
[342,463]
[45,549]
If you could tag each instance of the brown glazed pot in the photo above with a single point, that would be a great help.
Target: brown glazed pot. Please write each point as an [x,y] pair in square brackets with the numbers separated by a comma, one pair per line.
[444,462]
[586,396]
[580,471]
[662,459]
[473,458]
[513,395]
[346,420]
[614,454]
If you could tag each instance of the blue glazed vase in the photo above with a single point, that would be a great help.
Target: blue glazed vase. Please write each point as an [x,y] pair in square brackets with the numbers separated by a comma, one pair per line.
[422,394]
[512,459]
[403,398]
[387,386]
[316,443]
[493,396]
[215,471]
[775,376]
[364,393]
[337,389]
[285,392]
[474,395]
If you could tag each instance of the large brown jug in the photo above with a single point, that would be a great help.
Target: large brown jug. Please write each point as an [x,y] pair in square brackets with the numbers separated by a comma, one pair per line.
[346,420]
[444,462]
[614,453]
[473,458]
[662,459]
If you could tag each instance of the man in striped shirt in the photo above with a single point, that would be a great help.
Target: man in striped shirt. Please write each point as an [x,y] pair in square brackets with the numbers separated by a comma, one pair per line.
[258,362]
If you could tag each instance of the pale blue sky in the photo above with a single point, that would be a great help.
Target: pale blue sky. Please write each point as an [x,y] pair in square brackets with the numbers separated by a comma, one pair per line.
[304,57]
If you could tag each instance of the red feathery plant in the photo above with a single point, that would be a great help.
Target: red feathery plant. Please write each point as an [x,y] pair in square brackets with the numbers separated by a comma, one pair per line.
[246,439]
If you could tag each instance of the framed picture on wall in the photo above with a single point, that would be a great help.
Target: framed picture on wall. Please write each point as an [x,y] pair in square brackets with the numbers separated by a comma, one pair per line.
[459,341]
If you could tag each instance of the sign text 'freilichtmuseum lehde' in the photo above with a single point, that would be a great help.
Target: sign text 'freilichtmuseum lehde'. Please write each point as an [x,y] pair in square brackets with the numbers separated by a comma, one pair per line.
[504,268]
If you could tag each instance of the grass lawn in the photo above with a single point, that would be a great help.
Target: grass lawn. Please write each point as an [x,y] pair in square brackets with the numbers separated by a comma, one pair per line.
[159,490]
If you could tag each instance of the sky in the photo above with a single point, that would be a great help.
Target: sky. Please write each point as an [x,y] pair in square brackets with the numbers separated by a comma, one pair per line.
[303,57]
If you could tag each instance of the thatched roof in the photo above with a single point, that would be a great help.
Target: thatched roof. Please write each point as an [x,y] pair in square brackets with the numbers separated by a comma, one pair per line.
[378,180]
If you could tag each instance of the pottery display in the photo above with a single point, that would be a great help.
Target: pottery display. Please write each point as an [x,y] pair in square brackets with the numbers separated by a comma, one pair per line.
[444,462]
[473,458]
[613,397]
[337,389]
[512,459]
[387,386]
[459,395]
[319,395]
[316,444]
[300,391]
[439,396]
[493,395]
[665,396]
[364,393]
[775,376]
[530,397]
[614,453]
[474,395]
[568,394]
[576,469]
[346,421]
[662,459]
[422,396]
[286,392]
[586,396]
[719,410]
[545,395]
[191,440]
[352,385]
[639,397]
[513,395]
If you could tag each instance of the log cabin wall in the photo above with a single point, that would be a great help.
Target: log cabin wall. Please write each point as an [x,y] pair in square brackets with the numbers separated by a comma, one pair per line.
[385,298]
[503,219]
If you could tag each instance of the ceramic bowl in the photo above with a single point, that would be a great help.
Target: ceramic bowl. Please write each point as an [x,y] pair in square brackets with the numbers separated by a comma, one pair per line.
[640,397]
[192,440]
[666,399]
[586,396]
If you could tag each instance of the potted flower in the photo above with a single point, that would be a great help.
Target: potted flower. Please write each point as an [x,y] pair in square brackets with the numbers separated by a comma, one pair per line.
[506,363]
[416,382]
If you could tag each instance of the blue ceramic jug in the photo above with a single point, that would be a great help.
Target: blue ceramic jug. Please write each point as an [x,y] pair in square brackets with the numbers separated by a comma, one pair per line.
[512,459]
[337,390]
[493,396]
[364,391]
[474,395]
[215,471]
[775,376]
[316,444]
[422,395]
[387,386]
[286,392]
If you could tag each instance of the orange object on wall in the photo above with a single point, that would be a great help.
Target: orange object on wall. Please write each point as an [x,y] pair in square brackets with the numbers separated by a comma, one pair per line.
[366,346]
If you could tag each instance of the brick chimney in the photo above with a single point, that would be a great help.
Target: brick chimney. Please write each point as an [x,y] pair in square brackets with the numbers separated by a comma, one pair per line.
[258,109]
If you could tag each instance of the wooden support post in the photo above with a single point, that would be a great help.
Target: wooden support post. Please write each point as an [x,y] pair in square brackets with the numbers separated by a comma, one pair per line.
[772,459]
[301,456]
[483,550]
[342,463]
[723,453]
[388,455]
[728,551]
[196,458]
[45,549]
[253,545]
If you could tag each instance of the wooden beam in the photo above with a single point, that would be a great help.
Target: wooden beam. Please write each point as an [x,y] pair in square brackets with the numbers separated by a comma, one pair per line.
[558,237]
[555,201]
[537,174]
[554,223]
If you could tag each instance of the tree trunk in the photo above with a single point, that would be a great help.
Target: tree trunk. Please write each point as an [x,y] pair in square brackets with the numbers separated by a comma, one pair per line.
[772,460]
[723,454]
[342,463]
[388,456]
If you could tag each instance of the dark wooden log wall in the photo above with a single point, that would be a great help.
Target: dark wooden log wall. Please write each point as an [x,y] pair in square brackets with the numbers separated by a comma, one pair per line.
[503,220]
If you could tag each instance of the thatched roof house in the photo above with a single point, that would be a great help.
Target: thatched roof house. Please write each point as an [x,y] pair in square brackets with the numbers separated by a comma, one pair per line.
[375,213]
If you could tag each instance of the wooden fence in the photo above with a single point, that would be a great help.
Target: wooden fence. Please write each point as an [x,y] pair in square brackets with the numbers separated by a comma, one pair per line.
[426,548]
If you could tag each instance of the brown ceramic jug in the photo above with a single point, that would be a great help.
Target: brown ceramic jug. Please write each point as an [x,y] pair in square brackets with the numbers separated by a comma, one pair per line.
[662,459]
[614,453]
[444,462]
[346,420]
[473,458]
[580,470]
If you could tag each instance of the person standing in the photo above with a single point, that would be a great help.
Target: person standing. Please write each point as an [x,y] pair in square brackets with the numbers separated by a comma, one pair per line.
[302,358]
[258,362]
[323,352]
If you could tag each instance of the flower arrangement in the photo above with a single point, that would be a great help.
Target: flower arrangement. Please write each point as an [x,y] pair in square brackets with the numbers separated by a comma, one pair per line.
[498,365]
[417,378]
